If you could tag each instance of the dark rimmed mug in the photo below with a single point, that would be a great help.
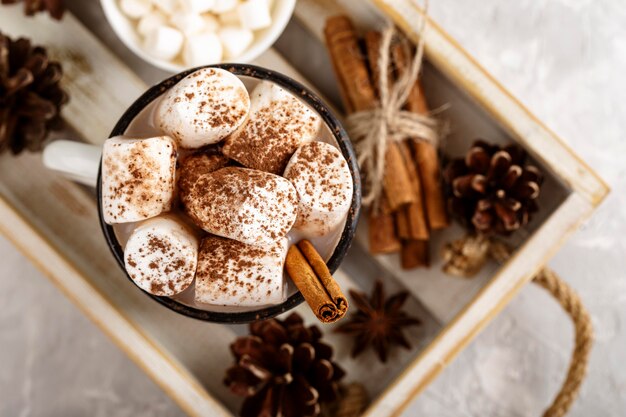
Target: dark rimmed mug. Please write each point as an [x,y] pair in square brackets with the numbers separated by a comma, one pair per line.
[82,163]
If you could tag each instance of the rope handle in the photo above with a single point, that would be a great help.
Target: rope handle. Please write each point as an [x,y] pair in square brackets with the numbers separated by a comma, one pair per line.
[466,256]
[583,329]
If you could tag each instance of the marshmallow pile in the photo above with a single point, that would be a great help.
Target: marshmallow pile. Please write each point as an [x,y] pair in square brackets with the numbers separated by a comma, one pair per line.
[205,209]
[197,32]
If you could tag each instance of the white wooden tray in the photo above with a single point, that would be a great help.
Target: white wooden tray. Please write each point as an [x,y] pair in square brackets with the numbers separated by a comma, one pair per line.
[54,222]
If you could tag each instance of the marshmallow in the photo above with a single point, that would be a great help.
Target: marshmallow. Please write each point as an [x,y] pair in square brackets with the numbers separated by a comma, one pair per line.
[197,6]
[161,256]
[229,18]
[194,166]
[135,8]
[211,24]
[277,125]
[203,108]
[254,14]
[137,178]
[235,40]
[188,23]
[323,181]
[231,273]
[202,49]
[166,6]
[250,206]
[164,42]
[223,6]
[150,22]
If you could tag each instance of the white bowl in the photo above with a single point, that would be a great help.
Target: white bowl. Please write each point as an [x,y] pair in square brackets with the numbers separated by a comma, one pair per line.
[263,39]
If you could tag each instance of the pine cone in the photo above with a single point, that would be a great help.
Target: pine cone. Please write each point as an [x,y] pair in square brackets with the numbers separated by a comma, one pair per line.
[283,369]
[492,189]
[54,7]
[30,95]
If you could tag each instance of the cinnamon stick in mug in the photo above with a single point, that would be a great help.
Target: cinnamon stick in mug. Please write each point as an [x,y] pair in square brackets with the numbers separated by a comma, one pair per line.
[425,153]
[309,273]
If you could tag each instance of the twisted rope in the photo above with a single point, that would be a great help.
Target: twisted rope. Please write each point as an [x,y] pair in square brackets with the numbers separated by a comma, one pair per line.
[464,256]
[372,130]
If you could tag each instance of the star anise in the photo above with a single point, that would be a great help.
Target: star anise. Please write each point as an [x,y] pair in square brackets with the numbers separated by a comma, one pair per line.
[54,7]
[379,322]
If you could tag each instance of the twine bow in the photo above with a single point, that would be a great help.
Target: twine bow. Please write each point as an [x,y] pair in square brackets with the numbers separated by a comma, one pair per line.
[373,129]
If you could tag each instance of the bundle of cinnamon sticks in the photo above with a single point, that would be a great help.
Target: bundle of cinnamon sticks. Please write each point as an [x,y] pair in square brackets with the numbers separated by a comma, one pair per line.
[413,204]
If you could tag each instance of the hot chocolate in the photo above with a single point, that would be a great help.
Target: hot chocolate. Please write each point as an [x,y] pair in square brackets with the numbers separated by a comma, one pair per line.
[234,222]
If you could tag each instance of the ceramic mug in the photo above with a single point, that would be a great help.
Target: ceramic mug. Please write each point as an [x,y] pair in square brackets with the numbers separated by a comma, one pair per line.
[82,163]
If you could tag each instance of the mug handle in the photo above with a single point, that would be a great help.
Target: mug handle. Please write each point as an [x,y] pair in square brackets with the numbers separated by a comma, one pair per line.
[77,161]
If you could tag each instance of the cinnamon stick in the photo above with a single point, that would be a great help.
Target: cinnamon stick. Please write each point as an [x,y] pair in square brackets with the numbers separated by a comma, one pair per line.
[396,182]
[425,153]
[414,253]
[309,273]
[354,79]
[415,213]
[382,233]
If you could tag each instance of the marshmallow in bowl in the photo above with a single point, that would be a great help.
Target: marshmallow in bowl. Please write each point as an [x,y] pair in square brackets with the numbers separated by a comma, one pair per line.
[201,49]
[197,6]
[277,125]
[164,42]
[135,8]
[203,108]
[161,256]
[235,40]
[150,22]
[223,6]
[231,273]
[138,177]
[321,176]
[247,205]
[254,14]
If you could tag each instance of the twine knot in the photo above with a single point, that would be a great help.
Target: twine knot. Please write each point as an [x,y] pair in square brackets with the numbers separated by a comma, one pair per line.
[372,130]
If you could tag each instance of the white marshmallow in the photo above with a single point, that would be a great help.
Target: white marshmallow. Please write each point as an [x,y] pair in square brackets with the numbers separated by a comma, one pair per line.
[229,18]
[254,14]
[161,256]
[137,178]
[166,6]
[188,23]
[235,40]
[320,174]
[135,8]
[223,6]
[150,22]
[211,24]
[278,124]
[164,42]
[203,108]
[247,205]
[197,6]
[231,273]
[202,49]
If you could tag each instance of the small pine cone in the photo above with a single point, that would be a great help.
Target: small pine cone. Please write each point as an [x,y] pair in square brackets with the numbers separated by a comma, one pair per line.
[492,190]
[30,95]
[283,369]
[55,8]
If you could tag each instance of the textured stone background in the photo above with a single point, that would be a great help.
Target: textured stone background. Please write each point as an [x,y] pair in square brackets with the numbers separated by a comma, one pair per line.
[564,59]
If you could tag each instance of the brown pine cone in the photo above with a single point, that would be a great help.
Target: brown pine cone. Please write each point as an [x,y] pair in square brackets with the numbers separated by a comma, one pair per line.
[30,95]
[54,7]
[283,369]
[493,189]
